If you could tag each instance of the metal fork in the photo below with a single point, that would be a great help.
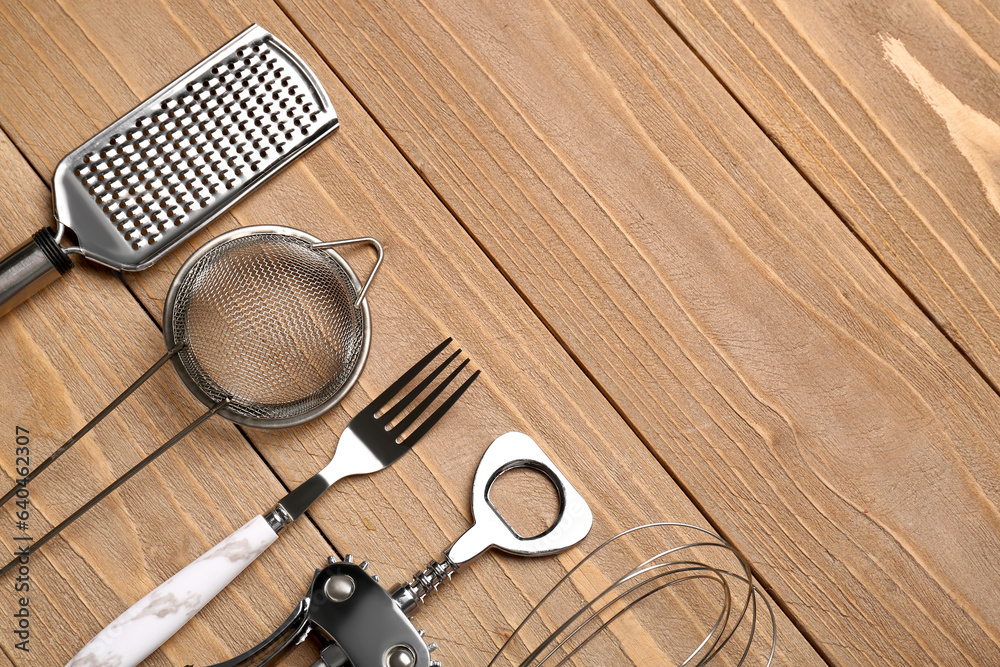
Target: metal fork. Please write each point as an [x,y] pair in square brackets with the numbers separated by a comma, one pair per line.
[370,443]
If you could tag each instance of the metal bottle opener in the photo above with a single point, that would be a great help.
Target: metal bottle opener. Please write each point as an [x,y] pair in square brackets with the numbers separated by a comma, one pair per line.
[361,624]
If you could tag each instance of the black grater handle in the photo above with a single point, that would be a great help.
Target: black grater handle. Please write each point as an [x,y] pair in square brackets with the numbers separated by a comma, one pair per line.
[30,267]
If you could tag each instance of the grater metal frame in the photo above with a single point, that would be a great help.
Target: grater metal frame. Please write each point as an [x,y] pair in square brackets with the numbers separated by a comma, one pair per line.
[178,160]
[79,209]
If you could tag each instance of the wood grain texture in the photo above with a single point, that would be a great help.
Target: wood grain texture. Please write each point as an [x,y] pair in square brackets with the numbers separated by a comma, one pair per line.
[802,397]
[87,63]
[66,354]
[890,111]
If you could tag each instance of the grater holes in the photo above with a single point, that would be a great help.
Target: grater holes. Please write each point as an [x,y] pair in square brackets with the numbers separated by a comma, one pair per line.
[176,157]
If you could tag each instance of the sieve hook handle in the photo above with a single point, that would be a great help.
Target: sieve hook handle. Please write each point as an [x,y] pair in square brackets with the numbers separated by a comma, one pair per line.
[378,262]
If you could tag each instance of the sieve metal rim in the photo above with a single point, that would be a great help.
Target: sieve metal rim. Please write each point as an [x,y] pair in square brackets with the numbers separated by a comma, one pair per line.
[168,333]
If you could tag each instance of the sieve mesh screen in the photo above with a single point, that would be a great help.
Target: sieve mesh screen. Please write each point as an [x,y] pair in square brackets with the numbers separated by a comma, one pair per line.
[268,323]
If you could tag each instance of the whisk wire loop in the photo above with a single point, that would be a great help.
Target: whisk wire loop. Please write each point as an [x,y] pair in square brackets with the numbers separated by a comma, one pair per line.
[638,584]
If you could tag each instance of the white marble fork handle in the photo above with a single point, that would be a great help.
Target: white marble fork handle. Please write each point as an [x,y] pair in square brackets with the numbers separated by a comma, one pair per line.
[144,626]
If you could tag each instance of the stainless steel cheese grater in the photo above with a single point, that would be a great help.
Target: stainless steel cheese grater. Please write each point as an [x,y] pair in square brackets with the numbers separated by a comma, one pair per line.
[174,163]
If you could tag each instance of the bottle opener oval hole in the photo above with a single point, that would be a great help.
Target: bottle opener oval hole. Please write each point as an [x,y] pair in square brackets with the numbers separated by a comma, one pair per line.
[526,499]
[490,529]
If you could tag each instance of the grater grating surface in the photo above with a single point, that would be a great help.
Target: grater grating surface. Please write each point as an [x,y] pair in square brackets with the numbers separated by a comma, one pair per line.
[185,155]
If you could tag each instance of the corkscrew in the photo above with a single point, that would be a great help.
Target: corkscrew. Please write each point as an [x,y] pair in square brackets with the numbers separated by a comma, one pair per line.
[360,624]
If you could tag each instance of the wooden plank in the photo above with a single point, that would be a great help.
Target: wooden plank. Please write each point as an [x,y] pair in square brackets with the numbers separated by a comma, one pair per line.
[90,62]
[66,354]
[799,394]
[889,114]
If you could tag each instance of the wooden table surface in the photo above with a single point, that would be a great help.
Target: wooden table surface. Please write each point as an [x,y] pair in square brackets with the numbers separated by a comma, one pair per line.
[729,263]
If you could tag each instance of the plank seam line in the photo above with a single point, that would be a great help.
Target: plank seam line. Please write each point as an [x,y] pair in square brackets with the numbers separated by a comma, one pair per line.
[24,156]
[814,186]
[559,339]
[813,641]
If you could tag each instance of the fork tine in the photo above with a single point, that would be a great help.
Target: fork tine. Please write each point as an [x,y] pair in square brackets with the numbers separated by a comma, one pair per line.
[405,422]
[403,380]
[392,412]
[421,430]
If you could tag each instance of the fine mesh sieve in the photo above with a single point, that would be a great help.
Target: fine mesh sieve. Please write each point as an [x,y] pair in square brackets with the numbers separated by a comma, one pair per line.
[267,326]
[271,320]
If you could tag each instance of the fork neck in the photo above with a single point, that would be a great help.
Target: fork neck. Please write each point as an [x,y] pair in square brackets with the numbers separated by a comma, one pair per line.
[295,504]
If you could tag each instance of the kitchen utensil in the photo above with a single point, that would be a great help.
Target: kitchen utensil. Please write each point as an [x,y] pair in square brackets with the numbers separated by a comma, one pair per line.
[361,624]
[267,326]
[373,440]
[641,574]
[177,161]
